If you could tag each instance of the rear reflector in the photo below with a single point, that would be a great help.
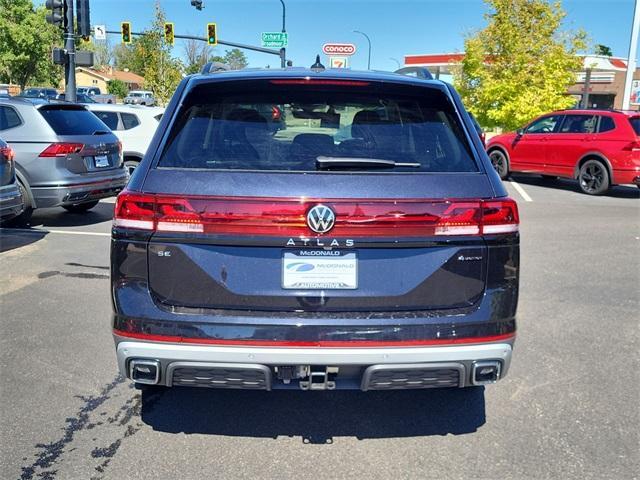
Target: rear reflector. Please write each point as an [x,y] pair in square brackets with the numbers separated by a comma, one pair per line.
[281,217]
[7,152]
[61,149]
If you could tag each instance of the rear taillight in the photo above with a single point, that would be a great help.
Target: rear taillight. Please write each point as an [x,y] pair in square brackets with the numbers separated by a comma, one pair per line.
[276,114]
[633,146]
[7,152]
[287,217]
[61,149]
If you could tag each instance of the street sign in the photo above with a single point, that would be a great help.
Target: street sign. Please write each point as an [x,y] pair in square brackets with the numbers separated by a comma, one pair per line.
[100,32]
[275,39]
[344,49]
[338,62]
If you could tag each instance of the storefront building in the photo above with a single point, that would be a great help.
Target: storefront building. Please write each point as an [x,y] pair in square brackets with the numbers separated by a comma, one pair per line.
[599,85]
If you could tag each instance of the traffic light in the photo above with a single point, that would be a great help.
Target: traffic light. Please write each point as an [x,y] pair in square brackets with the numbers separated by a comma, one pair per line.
[125,29]
[168,33]
[58,9]
[212,34]
[84,20]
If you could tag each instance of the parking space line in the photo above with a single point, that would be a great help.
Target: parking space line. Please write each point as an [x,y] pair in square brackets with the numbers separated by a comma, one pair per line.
[525,196]
[63,232]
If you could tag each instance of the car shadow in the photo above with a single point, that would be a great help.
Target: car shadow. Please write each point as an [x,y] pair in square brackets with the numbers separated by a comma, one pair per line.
[59,217]
[11,239]
[617,191]
[316,417]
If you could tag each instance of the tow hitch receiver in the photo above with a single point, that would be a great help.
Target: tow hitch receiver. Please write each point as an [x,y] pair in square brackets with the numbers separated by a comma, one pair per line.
[320,378]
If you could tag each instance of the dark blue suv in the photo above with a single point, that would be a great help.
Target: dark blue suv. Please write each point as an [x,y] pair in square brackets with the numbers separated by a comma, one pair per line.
[366,242]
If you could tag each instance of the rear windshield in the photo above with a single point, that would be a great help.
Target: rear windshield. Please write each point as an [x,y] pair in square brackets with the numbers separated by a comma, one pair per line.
[635,123]
[67,121]
[263,125]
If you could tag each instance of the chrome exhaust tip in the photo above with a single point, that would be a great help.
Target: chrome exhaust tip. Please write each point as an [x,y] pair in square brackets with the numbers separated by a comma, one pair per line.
[144,371]
[485,372]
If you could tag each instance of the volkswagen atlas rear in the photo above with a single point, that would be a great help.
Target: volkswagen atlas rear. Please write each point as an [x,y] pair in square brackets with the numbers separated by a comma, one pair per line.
[366,243]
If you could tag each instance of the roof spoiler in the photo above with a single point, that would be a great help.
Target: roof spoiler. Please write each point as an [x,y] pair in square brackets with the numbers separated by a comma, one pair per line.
[213,67]
[419,72]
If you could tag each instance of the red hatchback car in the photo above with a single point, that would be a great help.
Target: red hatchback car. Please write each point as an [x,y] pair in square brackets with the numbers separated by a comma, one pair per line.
[599,148]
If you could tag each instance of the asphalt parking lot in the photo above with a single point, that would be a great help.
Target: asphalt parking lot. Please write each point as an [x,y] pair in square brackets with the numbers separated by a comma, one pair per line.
[568,409]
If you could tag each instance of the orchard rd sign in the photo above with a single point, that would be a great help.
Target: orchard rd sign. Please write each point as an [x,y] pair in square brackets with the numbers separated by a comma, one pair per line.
[338,49]
[275,39]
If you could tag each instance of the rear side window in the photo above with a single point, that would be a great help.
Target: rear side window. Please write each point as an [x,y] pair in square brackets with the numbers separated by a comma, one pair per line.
[290,125]
[110,119]
[8,118]
[72,121]
[129,120]
[606,124]
[635,123]
[579,124]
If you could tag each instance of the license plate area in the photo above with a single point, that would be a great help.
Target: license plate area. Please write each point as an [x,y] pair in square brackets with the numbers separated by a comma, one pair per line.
[319,270]
[101,161]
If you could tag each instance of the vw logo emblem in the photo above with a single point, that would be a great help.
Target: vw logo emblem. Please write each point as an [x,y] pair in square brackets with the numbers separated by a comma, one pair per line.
[321,219]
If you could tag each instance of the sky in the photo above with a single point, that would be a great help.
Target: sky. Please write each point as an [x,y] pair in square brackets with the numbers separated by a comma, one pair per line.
[396,27]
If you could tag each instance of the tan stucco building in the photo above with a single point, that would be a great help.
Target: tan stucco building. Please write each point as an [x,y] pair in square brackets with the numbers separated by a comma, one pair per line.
[89,77]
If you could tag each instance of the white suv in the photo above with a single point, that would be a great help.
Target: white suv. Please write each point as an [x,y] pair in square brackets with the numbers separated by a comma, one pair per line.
[140,97]
[133,125]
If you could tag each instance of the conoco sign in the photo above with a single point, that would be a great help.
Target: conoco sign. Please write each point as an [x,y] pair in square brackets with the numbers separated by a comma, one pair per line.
[337,49]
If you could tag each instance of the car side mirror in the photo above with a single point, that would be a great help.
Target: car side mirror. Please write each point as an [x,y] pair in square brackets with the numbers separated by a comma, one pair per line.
[520,132]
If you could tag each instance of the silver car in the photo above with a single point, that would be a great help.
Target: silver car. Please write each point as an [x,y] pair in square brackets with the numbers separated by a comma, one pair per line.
[10,199]
[140,97]
[65,156]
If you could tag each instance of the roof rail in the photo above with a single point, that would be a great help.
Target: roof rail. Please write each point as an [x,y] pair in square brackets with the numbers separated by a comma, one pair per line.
[419,72]
[213,67]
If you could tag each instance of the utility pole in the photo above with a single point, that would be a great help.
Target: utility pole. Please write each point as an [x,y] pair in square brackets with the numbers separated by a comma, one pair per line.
[70,47]
[283,50]
[631,62]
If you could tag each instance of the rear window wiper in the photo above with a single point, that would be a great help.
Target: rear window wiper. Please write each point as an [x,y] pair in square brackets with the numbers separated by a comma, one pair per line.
[101,132]
[324,163]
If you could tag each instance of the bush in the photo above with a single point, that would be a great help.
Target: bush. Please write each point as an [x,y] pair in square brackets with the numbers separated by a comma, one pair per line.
[117,88]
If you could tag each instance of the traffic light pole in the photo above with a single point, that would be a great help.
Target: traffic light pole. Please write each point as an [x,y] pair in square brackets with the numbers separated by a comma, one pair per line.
[269,51]
[70,47]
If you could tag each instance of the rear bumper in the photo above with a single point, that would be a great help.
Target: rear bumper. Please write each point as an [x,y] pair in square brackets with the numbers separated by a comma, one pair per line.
[626,177]
[11,204]
[53,196]
[356,367]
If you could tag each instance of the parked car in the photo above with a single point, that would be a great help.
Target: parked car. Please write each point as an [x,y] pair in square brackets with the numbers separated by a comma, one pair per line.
[96,95]
[140,97]
[599,148]
[244,257]
[11,204]
[64,155]
[39,92]
[133,125]
[80,98]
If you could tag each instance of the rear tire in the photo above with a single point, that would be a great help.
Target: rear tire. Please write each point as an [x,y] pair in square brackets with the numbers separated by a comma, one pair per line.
[23,219]
[80,207]
[593,178]
[500,163]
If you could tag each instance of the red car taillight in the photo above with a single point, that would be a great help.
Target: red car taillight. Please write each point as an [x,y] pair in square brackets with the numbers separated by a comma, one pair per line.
[61,149]
[7,152]
[276,114]
[287,217]
[633,146]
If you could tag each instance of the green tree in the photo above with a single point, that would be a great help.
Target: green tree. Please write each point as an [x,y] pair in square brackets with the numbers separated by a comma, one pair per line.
[26,40]
[520,65]
[149,56]
[236,59]
[118,88]
[603,50]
